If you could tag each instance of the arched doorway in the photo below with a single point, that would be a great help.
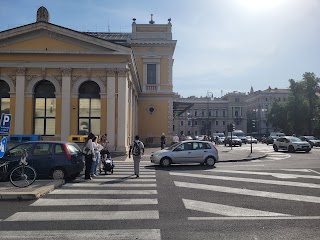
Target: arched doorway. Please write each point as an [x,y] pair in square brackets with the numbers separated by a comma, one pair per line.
[89,108]
[4,97]
[44,120]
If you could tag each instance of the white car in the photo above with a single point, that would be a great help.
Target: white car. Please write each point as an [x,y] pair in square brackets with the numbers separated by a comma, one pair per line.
[192,151]
[251,139]
[291,144]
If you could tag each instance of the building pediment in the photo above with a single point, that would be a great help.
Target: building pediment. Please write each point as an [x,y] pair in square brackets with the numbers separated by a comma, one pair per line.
[43,37]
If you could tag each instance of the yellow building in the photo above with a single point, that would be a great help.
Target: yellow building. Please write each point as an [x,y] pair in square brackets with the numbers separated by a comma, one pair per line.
[58,82]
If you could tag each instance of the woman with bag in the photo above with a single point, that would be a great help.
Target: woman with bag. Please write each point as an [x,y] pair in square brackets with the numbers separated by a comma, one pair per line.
[89,155]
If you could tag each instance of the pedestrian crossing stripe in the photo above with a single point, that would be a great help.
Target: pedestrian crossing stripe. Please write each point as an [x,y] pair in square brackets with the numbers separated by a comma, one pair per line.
[103,192]
[141,234]
[254,218]
[252,180]
[83,216]
[226,210]
[113,185]
[127,176]
[256,193]
[112,180]
[97,202]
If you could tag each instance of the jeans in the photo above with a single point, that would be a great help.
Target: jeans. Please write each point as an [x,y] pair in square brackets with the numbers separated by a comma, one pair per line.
[136,164]
[95,163]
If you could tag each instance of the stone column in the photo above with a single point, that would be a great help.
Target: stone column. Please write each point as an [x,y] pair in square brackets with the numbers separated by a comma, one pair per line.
[66,103]
[122,111]
[20,100]
[111,100]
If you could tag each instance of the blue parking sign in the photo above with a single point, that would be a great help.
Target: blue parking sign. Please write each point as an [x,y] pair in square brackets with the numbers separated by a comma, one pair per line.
[5,124]
[3,146]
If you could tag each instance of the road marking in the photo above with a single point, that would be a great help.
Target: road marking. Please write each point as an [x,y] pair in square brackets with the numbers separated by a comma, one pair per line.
[88,202]
[240,191]
[116,185]
[255,218]
[314,171]
[107,180]
[266,174]
[252,180]
[83,215]
[141,234]
[295,170]
[116,173]
[128,176]
[227,210]
[103,192]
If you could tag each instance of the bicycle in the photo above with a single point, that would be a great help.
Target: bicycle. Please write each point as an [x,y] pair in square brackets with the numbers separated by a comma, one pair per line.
[22,175]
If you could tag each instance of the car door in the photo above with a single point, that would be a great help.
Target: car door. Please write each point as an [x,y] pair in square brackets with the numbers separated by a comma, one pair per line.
[182,153]
[42,159]
[14,154]
[200,149]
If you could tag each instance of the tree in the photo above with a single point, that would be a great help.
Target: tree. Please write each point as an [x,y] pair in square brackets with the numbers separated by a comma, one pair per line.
[278,117]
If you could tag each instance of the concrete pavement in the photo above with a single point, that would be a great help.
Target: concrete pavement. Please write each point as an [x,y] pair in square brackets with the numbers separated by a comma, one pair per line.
[42,187]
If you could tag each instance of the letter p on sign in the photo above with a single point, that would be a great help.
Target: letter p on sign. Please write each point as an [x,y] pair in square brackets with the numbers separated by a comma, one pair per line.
[5,123]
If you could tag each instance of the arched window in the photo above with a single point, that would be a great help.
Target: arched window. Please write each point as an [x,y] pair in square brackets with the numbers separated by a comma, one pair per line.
[44,109]
[89,108]
[4,97]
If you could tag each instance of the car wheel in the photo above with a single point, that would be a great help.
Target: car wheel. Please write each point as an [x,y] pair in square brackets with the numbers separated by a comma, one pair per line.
[275,148]
[308,150]
[240,145]
[210,161]
[165,162]
[58,174]
[291,149]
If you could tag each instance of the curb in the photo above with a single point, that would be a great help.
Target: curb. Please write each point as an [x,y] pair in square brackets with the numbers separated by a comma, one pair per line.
[248,159]
[32,195]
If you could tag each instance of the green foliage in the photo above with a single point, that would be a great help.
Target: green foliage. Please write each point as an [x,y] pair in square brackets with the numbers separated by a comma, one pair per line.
[301,114]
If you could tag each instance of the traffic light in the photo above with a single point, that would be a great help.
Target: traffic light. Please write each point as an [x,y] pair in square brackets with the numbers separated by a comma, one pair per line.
[253,124]
[233,126]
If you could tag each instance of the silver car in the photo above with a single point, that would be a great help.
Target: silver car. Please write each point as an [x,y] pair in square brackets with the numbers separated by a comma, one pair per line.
[192,151]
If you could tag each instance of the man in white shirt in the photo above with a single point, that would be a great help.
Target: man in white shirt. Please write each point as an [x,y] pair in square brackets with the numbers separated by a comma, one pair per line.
[175,139]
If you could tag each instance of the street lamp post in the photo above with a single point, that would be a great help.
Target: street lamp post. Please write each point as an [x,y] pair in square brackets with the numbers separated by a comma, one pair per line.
[209,97]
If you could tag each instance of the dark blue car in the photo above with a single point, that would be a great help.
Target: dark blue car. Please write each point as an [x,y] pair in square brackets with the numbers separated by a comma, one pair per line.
[50,159]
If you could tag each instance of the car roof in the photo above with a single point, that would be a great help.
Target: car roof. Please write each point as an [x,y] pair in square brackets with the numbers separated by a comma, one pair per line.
[46,142]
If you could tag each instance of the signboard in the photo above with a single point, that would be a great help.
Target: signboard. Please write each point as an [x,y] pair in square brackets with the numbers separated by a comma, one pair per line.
[5,124]
[3,146]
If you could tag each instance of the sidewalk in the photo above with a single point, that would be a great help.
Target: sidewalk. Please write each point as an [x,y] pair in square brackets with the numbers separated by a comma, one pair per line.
[42,187]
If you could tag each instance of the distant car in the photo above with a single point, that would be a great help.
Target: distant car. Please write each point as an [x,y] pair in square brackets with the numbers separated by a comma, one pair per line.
[189,138]
[192,151]
[50,159]
[273,136]
[291,144]
[314,142]
[251,139]
[234,141]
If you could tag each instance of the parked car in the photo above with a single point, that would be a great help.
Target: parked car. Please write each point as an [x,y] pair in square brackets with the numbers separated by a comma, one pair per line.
[314,142]
[234,141]
[252,139]
[291,144]
[50,159]
[191,151]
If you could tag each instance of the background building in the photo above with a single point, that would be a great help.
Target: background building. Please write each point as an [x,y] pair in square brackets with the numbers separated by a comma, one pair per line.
[59,82]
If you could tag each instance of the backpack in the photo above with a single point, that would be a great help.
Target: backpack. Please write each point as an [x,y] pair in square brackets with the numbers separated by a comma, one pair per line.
[136,151]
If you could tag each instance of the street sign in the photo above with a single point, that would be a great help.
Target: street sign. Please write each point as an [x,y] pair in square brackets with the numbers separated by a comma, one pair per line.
[5,124]
[3,146]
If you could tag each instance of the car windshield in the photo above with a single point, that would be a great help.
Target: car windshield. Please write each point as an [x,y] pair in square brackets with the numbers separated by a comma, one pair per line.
[311,138]
[172,146]
[294,139]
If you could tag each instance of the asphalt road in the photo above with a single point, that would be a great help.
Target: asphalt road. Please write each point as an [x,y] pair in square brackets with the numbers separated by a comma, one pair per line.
[273,198]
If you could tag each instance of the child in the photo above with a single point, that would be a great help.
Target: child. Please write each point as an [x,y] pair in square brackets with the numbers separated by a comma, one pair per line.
[107,163]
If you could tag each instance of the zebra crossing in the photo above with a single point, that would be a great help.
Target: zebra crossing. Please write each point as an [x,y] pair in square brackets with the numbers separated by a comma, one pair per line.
[112,198]
[251,192]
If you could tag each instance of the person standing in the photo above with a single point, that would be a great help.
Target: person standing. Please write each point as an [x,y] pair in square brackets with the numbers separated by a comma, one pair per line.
[89,154]
[163,140]
[175,139]
[137,150]
[96,160]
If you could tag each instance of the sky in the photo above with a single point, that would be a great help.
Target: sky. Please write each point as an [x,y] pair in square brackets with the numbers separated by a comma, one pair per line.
[222,45]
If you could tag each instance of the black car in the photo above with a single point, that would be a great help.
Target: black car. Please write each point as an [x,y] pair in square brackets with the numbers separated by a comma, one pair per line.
[50,159]
[314,142]
[234,141]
